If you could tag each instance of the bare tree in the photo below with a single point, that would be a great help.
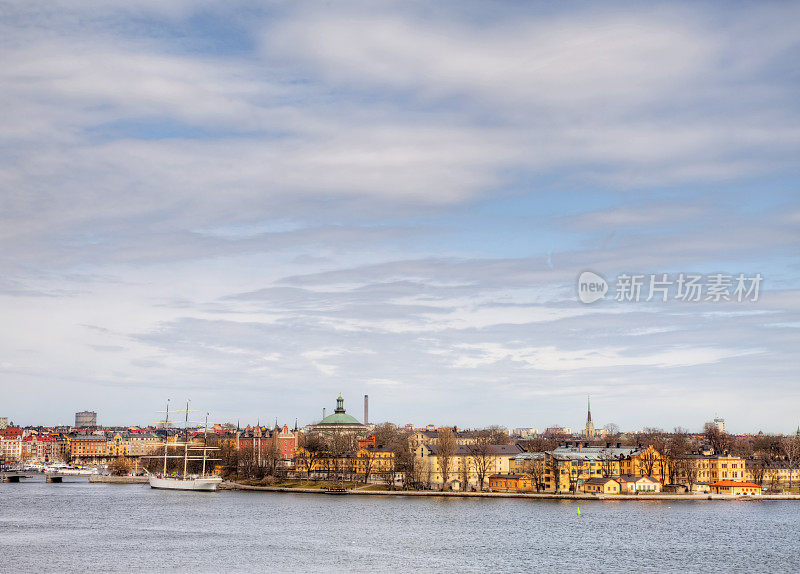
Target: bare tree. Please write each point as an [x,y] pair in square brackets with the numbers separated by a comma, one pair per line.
[445,451]
[312,450]
[757,468]
[555,469]
[647,461]
[718,440]
[481,454]
[119,466]
[367,460]
[535,467]
[607,462]
[689,470]
[539,444]
[497,435]
[791,449]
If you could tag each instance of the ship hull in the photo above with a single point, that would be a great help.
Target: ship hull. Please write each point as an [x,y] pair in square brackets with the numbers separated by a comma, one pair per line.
[202,484]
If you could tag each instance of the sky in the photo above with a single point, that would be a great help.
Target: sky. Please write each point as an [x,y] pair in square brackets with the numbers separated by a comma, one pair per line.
[259,206]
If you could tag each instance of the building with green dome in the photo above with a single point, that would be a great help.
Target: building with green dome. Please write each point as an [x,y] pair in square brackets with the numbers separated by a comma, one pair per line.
[340,421]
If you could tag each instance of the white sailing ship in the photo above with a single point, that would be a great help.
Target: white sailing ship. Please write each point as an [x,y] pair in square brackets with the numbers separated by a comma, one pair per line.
[201,482]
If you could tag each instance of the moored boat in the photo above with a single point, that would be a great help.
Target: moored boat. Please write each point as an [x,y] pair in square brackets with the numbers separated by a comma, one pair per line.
[208,483]
[185,481]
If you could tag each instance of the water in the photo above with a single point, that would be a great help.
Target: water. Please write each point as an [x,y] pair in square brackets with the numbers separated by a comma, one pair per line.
[78,527]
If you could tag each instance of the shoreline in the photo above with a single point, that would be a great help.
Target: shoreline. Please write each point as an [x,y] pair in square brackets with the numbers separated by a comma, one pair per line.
[99,479]
[228,485]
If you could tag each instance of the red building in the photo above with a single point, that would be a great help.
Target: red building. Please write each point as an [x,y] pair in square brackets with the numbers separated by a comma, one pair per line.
[287,442]
[40,448]
[11,432]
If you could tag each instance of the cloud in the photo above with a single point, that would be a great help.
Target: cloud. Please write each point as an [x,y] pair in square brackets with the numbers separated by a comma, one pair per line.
[299,200]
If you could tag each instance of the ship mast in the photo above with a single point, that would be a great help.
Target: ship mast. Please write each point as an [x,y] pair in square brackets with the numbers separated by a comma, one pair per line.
[205,444]
[166,436]
[186,440]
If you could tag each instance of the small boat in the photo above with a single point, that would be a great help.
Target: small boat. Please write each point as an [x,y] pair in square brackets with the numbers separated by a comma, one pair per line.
[335,490]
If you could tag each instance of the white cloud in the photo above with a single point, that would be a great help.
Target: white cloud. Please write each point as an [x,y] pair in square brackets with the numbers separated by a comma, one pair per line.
[553,359]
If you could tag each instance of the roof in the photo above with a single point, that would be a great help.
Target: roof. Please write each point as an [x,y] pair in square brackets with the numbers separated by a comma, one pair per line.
[594,452]
[89,437]
[339,416]
[457,434]
[632,478]
[530,456]
[509,476]
[492,450]
[728,483]
[339,419]
[599,480]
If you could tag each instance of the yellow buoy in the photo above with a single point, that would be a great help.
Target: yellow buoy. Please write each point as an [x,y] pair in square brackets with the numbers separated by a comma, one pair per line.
[579,511]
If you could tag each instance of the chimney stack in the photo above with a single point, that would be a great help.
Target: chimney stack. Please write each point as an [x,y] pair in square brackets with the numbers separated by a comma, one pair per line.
[366,409]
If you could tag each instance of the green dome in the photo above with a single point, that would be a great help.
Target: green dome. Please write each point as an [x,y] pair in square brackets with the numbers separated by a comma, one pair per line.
[339,417]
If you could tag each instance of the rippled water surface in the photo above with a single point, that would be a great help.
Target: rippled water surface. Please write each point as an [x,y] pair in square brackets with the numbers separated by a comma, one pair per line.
[78,527]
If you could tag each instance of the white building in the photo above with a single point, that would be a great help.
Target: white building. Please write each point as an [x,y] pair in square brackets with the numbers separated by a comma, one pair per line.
[11,449]
[526,432]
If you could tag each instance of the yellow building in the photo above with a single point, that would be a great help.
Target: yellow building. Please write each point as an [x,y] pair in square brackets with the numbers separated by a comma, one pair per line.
[735,487]
[465,465]
[510,482]
[373,461]
[773,475]
[601,486]
[636,484]
[568,467]
[426,437]
[708,468]
[118,446]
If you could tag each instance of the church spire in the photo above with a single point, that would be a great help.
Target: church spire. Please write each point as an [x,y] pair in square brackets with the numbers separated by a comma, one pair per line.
[589,430]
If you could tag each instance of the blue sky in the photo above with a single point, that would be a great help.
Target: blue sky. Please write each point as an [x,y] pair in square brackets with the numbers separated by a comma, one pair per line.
[259,208]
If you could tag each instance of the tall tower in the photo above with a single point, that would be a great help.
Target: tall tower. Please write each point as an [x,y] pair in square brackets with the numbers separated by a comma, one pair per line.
[589,431]
[366,409]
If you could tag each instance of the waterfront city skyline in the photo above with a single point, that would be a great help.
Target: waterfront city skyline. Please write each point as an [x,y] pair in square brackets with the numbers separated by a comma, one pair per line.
[260,208]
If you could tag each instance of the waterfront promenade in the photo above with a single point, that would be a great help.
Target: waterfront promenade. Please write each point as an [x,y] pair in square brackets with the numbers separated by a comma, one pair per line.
[228,485]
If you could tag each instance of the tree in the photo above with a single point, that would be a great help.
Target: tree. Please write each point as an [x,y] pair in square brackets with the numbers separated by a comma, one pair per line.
[310,452]
[718,440]
[612,430]
[366,458]
[535,468]
[676,447]
[119,466]
[555,468]
[659,440]
[607,460]
[539,444]
[791,449]
[757,468]
[445,451]
[647,461]
[689,470]
[481,454]
[496,435]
